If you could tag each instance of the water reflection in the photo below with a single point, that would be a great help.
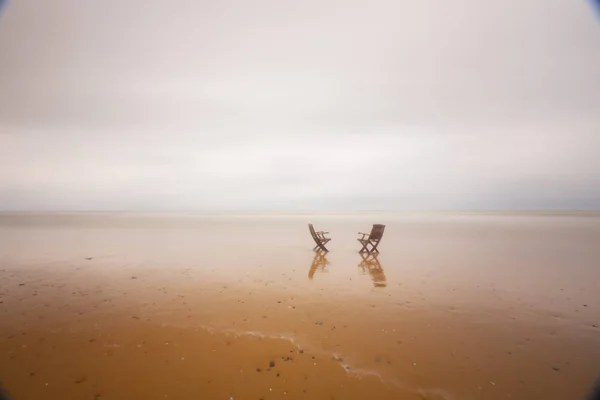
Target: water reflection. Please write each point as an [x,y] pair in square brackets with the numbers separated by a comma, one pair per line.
[319,263]
[371,264]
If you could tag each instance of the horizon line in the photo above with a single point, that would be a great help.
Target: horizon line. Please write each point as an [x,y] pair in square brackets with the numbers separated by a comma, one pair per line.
[533,210]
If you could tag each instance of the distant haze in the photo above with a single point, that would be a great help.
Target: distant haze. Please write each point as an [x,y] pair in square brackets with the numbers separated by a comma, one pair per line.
[299,105]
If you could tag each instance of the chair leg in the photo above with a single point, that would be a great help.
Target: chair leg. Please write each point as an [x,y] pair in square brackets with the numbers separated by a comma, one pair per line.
[374,249]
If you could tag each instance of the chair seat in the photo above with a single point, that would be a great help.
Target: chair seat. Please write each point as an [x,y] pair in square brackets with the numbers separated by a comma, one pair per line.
[367,241]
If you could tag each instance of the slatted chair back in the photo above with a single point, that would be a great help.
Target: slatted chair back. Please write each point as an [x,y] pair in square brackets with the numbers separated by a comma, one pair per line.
[376,232]
[311,228]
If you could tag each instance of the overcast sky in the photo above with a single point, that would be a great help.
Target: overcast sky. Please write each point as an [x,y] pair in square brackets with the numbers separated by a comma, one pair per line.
[299,105]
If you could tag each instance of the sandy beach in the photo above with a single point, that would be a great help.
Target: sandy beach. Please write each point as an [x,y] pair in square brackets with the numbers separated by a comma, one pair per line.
[192,306]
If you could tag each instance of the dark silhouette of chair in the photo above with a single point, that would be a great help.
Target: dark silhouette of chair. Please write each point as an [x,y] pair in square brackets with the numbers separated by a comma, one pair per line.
[371,239]
[319,262]
[371,264]
[319,237]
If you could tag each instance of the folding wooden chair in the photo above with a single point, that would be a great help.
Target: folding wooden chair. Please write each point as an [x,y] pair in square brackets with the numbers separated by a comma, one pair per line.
[319,237]
[371,264]
[319,262]
[371,239]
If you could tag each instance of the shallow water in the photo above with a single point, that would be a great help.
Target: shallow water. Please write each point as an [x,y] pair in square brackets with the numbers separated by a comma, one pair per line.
[185,306]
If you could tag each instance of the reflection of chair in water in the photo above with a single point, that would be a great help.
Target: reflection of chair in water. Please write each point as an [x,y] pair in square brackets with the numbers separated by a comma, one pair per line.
[371,264]
[319,262]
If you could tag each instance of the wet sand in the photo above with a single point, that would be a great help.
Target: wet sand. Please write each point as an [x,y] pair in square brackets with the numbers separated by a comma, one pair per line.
[187,306]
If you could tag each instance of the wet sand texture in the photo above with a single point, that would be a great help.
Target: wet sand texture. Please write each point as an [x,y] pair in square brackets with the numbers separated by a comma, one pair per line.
[120,306]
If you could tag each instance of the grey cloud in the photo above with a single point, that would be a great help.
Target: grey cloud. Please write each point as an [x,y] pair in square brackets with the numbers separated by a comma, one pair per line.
[306,105]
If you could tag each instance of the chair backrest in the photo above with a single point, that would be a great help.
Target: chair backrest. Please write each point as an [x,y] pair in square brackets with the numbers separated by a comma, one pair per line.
[376,232]
[312,231]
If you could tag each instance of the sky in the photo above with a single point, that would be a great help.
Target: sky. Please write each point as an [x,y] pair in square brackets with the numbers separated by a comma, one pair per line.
[299,105]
